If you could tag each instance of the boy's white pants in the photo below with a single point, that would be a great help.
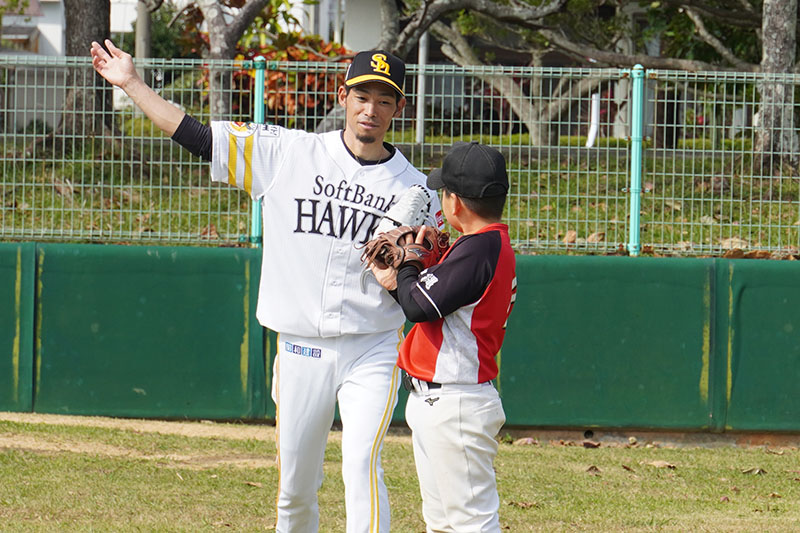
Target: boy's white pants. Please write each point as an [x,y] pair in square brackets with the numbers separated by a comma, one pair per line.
[453,432]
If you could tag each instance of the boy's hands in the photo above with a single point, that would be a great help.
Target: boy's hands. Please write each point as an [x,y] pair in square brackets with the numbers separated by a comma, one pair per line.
[418,245]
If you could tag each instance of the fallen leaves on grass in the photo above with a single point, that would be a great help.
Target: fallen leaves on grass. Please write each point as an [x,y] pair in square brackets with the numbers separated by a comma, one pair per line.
[754,471]
[661,464]
[593,470]
[522,505]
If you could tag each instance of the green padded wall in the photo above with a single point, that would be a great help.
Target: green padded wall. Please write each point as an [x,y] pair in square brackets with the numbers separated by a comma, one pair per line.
[762,365]
[693,344]
[609,341]
[149,332]
[16,326]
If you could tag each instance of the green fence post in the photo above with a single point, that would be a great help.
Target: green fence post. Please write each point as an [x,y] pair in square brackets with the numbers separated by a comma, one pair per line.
[258,118]
[637,119]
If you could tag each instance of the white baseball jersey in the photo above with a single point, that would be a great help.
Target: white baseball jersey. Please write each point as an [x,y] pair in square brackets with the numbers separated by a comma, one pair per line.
[319,204]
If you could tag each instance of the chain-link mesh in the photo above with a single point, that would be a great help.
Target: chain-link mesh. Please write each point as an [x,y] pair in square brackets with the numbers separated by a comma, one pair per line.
[721,165]
[80,163]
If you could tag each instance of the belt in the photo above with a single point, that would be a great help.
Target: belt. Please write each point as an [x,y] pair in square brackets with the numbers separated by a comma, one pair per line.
[408,383]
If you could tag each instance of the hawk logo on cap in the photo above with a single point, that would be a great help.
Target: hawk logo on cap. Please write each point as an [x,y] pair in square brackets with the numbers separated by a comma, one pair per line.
[379,64]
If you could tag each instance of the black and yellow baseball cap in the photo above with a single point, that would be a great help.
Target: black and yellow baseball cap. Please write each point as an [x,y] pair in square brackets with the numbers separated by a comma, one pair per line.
[376,65]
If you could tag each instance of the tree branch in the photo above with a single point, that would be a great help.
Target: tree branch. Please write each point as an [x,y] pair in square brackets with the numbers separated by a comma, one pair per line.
[243,20]
[390,22]
[731,17]
[712,41]
[628,60]
[519,13]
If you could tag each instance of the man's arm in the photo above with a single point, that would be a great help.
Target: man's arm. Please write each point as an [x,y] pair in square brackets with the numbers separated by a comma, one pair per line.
[117,68]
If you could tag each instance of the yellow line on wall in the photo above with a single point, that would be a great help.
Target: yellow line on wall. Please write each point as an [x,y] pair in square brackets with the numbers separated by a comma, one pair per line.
[706,340]
[39,321]
[244,352]
[17,324]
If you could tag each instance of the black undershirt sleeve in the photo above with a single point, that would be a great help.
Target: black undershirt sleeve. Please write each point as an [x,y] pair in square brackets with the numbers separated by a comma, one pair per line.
[407,277]
[194,136]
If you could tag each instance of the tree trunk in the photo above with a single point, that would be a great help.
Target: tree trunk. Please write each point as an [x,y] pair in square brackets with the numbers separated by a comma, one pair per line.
[776,138]
[88,103]
[219,81]
[222,38]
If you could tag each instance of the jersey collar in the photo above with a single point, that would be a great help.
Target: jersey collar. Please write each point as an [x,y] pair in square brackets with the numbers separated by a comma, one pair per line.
[333,140]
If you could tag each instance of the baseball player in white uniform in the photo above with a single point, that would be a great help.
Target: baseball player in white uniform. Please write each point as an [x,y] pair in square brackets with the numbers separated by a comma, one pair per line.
[322,196]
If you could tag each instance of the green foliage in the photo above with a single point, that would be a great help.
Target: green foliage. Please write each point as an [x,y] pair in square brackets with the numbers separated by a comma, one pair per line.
[678,38]
[13,7]
[736,145]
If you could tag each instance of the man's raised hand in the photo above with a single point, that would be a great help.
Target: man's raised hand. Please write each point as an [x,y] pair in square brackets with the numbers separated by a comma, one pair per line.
[115,65]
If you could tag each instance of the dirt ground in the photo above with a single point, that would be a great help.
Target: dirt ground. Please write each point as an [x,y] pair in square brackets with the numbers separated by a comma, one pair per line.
[205,429]
[186,429]
[196,460]
[266,432]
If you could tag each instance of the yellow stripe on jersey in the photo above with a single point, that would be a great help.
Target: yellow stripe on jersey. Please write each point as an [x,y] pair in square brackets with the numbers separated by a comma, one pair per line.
[374,497]
[277,381]
[248,163]
[232,157]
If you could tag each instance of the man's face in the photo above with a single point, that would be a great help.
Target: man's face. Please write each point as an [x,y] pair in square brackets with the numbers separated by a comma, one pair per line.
[370,108]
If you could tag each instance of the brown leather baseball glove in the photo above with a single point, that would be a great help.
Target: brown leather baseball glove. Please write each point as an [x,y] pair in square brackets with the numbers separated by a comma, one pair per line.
[396,247]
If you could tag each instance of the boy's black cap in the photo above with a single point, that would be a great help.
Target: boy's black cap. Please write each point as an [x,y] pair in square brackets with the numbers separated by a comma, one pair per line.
[377,65]
[471,170]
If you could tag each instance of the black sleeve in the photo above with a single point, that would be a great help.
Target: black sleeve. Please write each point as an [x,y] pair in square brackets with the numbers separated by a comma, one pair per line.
[461,278]
[194,136]
[407,278]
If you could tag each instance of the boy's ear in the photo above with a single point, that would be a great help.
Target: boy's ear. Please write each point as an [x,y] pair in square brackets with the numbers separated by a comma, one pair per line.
[458,205]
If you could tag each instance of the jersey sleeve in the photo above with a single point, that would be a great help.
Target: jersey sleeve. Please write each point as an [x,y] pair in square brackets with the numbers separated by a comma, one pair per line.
[248,155]
[461,278]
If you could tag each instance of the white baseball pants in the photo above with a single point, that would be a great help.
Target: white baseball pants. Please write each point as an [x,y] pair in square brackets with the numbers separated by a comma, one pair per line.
[310,376]
[453,433]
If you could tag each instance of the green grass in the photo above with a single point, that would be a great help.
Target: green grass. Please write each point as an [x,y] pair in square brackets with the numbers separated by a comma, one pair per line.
[76,478]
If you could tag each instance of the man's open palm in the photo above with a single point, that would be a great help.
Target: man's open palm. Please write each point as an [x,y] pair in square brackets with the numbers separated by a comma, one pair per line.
[117,67]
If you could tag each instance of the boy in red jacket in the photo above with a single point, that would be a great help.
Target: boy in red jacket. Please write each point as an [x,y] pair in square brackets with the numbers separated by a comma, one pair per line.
[460,307]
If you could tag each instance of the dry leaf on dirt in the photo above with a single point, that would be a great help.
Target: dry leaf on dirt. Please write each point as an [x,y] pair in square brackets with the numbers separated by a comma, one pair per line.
[661,464]
[733,243]
[209,232]
[591,444]
[522,505]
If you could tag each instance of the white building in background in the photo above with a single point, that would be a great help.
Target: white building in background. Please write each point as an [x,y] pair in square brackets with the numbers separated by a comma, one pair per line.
[42,28]
[354,23]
